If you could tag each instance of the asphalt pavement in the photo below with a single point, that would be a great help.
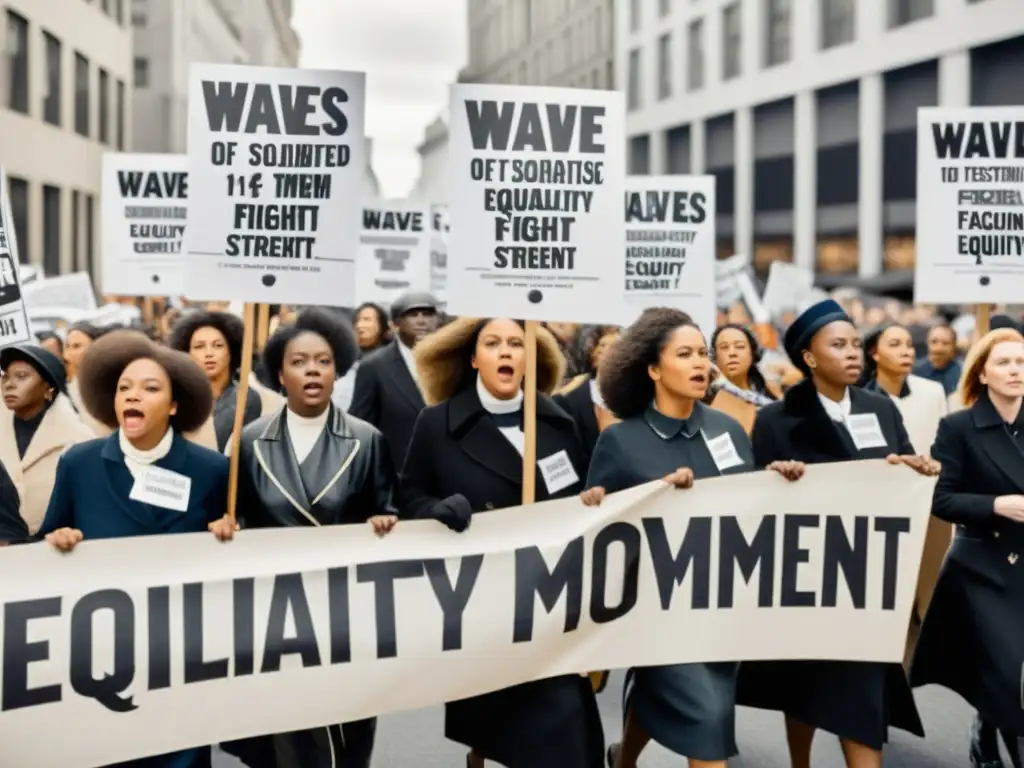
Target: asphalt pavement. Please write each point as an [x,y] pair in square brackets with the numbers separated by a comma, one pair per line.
[416,739]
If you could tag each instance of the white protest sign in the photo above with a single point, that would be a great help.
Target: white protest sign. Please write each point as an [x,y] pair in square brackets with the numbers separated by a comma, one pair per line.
[394,251]
[727,287]
[536,177]
[14,323]
[276,167]
[822,568]
[970,205]
[143,214]
[74,291]
[788,287]
[439,252]
[670,246]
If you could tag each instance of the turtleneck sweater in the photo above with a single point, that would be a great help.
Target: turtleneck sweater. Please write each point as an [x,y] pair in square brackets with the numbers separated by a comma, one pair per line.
[304,431]
[137,460]
[498,407]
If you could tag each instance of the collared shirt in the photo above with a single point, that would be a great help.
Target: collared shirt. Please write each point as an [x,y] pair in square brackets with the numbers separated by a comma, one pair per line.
[667,427]
[410,362]
[838,412]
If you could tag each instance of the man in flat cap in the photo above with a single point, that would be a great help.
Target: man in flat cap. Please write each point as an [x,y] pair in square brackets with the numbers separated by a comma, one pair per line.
[386,392]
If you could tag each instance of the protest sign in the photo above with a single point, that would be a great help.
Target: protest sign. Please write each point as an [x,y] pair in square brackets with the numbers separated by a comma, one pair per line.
[276,166]
[536,177]
[670,246]
[788,289]
[394,251]
[123,637]
[439,252]
[143,212]
[970,205]
[72,291]
[14,323]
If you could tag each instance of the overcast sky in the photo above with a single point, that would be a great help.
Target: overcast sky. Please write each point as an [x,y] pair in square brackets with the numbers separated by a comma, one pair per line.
[411,50]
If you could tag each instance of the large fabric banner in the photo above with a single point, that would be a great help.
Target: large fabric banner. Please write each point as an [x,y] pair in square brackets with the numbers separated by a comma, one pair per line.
[135,647]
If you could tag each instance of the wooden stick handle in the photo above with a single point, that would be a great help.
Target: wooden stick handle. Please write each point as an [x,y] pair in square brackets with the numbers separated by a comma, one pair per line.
[243,389]
[530,416]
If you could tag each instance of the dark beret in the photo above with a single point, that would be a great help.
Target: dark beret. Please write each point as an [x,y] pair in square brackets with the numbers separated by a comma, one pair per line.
[47,364]
[811,320]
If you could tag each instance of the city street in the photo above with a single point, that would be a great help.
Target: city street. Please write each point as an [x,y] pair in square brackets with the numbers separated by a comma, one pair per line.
[416,740]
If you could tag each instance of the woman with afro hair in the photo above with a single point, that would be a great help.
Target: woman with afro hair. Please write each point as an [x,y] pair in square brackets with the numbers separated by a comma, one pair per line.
[311,464]
[214,341]
[466,458]
[655,379]
[145,479]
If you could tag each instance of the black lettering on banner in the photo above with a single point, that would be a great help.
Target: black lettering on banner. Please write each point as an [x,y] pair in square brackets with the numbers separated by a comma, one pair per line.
[106,690]
[393,221]
[656,258]
[198,669]
[666,207]
[491,127]
[243,625]
[383,576]
[453,599]
[135,184]
[19,652]
[892,528]
[226,109]
[532,578]
[670,570]
[146,222]
[1002,140]
[793,555]
[289,592]
[338,613]
[158,604]
[629,537]
[850,557]
[734,550]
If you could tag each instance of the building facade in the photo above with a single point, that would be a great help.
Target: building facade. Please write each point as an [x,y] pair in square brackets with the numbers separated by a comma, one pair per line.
[68,69]
[807,119]
[565,43]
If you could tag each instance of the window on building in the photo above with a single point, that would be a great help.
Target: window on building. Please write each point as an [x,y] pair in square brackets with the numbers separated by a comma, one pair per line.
[121,125]
[51,230]
[599,28]
[609,80]
[908,11]
[695,58]
[664,8]
[838,19]
[634,15]
[104,107]
[523,75]
[567,48]
[52,98]
[108,7]
[119,11]
[633,99]
[17,63]
[81,95]
[18,190]
[90,240]
[76,229]
[141,74]
[595,79]
[732,38]
[664,66]
[778,31]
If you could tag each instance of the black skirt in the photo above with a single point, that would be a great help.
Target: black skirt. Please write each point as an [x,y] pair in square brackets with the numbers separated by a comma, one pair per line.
[336,746]
[552,723]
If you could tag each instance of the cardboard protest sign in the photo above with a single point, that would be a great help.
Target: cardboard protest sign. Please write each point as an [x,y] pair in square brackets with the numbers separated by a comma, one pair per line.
[394,255]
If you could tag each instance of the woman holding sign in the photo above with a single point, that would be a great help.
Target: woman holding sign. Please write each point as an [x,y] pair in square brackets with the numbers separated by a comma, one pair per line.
[466,457]
[826,418]
[311,464]
[654,379]
[144,479]
[971,638]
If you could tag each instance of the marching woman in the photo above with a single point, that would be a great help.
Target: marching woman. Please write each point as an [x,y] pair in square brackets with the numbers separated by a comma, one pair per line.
[826,418]
[130,483]
[38,423]
[971,638]
[741,389]
[373,329]
[214,341]
[311,464]
[465,457]
[654,379]
[80,337]
[581,397]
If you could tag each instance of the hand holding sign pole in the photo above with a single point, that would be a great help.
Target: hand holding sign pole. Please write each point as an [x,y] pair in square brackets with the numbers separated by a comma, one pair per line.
[248,340]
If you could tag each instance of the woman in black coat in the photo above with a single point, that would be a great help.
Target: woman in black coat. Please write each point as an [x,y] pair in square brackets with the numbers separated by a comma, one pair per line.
[972,641]
[581,398]
[654,379]
[464,458]
[826,418]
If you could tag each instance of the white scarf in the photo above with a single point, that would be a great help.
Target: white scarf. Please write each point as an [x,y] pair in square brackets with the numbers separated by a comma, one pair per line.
[137,460]
[493,405]
[304,432]
[595,395]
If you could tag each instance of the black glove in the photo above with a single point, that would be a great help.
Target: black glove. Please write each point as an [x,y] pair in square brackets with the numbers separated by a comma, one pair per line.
[454,512]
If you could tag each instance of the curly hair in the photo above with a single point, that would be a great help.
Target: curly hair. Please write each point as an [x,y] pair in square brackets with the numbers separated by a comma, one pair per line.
[226,324]
[625,385]
[330,326]
[754,375]
[105,361]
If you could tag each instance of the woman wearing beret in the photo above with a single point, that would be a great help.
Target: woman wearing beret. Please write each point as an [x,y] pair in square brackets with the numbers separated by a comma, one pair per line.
[826,418]
[133,483]
[38,423]
[654,379]
[214,341]
[309,464]
[466,458]
[971,640]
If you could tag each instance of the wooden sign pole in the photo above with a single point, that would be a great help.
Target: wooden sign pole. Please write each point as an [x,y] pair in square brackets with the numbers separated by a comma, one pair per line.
[262,326]
[530,416]
[982,319]
[248,340]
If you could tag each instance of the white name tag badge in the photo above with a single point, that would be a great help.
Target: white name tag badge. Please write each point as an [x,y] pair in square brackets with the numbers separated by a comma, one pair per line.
[162,488]
[865,431]
[723,451]
[558,472]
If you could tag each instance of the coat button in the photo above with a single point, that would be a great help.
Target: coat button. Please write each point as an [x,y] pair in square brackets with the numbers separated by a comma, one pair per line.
[488,505]
[996,534]
[1012,559]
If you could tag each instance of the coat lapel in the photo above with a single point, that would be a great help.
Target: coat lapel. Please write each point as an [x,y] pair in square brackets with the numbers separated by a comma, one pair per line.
[52,434]
[480,439]
[997,442]
[276,458]
[403,379]
[814,428]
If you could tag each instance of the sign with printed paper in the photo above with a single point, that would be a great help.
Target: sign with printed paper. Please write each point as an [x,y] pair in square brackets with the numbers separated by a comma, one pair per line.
[439,252]
[394,251]
[14,324]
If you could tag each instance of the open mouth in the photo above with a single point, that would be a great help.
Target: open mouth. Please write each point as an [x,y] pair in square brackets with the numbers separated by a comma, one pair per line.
[133,419]
[699,378]
[313,388]
[506,371]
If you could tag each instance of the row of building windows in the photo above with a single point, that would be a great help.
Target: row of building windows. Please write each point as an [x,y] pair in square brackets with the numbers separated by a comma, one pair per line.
[111,127]
[83,222]
[838,27]
[113,8]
